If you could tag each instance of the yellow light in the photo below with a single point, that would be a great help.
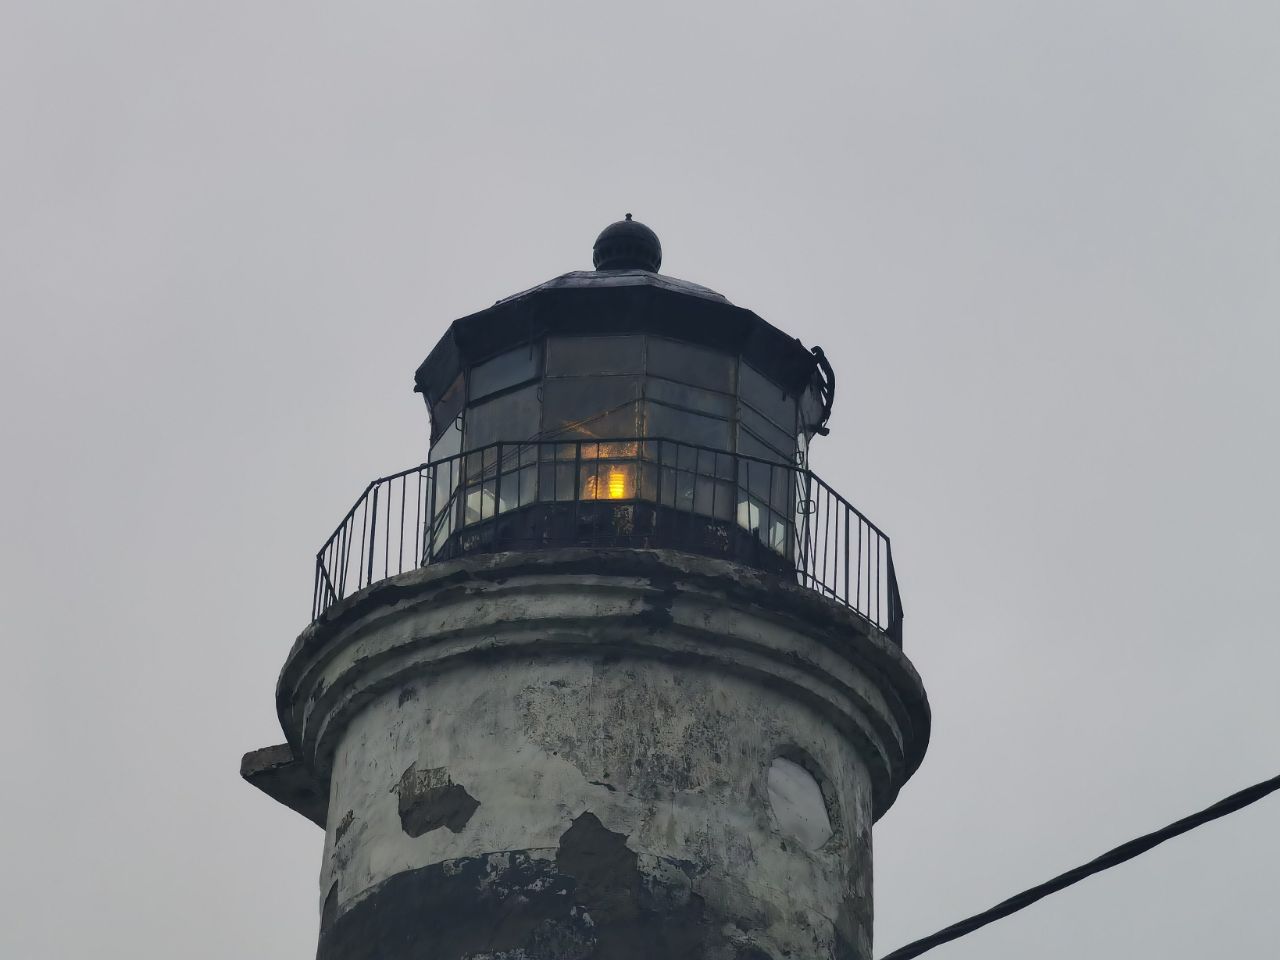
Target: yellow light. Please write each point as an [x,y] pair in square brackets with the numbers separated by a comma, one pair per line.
[611,482]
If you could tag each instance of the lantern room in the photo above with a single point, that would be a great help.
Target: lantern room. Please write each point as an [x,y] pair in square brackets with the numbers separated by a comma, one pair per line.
[619,385]
[619,407]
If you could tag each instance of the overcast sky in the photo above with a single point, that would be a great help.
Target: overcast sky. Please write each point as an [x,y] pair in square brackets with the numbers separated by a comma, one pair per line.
[1038,240]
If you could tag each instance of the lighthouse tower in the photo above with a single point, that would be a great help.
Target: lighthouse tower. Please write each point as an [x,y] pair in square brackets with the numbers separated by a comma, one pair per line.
[612,675]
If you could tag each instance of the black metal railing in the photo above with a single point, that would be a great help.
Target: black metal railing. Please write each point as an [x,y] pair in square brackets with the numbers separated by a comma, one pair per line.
[627,493]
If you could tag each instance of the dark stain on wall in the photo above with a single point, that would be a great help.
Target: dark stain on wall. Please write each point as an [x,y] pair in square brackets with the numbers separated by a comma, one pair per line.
[330,908]
[429,799]
[592,902]
[633,916]
[452,910]
[632,919]
[853,922]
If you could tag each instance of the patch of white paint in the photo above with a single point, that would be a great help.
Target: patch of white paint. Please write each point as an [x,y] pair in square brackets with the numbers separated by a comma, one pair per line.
[798,804]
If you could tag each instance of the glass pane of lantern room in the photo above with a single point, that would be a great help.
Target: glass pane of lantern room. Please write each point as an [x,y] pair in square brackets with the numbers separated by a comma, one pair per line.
[686,363]
[602,407]
[767,397]
[691,398]
[510,417]
[450,442]
[444,412]
[672,424]
[505,370]
[750,446]
[592,356]
[772,442]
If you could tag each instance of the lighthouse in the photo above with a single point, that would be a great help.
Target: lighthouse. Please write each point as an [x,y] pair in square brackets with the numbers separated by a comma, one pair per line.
[612,674]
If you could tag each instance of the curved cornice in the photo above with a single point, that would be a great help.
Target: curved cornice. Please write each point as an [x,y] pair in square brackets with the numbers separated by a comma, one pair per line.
[661,605]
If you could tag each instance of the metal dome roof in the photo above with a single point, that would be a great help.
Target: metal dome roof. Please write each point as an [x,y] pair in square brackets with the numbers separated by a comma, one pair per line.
[627,245]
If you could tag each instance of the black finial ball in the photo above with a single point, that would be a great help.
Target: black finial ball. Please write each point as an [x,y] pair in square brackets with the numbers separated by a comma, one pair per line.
[627,245]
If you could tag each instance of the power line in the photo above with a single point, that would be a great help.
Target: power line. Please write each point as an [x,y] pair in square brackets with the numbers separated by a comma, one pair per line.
[1126,851]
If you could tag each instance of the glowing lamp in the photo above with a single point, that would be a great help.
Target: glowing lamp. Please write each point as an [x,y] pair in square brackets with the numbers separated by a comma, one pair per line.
[615,483]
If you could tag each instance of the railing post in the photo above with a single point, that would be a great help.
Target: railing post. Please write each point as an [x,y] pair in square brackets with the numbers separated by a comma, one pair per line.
[417,522]
[879,540]
[803,484]
[846,555]
[342,556]
[373,532]
[742,488]
[364,534]
[458,502]
[404,487]
[693,499]
[577,487]
[429,513]
[895,599]
[857,586]
[497,495]
[658,494]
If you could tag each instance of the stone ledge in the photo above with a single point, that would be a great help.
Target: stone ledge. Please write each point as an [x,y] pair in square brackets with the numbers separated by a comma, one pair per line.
[278,773]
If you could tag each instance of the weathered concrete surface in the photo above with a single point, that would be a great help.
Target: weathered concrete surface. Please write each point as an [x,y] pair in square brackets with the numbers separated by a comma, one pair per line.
[278,773]
[529,757]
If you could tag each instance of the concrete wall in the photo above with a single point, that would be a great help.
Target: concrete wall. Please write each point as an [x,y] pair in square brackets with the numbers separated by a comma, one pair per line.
[580,754]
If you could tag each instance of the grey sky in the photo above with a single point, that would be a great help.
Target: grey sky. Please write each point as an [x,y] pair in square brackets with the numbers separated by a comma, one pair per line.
[1039,242]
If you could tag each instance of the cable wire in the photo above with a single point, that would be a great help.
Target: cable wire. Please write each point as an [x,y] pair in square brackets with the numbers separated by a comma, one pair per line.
[1126,851]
